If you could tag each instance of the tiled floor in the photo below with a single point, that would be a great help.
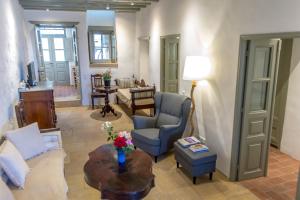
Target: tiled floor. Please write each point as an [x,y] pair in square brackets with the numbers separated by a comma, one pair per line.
[65,93]
[82,134]
[281,182]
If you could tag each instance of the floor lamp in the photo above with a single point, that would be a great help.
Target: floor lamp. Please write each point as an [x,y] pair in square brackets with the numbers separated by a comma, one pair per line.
[196,68]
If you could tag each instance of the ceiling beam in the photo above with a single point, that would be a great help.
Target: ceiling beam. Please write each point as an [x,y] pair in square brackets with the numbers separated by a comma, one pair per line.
[83,5]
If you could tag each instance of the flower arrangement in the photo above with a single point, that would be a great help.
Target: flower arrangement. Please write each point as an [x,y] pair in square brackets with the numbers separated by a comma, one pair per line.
[106,75]
[121,140]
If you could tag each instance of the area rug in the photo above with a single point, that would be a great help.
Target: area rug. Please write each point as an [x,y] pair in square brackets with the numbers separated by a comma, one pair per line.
[96,115]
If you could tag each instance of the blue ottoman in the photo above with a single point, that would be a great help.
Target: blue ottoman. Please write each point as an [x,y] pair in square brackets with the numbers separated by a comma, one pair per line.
[196,163]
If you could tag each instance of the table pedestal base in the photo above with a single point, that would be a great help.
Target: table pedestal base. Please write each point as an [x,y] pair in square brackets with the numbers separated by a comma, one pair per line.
[107,109]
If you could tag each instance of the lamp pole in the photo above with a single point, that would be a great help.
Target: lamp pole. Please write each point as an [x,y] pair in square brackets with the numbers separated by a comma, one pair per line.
[194,84]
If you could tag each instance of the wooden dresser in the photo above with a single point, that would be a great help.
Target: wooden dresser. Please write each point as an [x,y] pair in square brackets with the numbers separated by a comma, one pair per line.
[38,105]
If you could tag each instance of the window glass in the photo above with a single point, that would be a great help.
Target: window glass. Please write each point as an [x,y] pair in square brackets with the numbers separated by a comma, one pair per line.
[98,54]
[102,46]
[45,44]
[105,54]
[59,55]
[105,40]
[52,31]
[97,40]
[58,43]
[46,56]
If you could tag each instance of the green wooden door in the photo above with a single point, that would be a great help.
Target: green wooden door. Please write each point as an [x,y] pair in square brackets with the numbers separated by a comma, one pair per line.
[171,64]
[55,64]
[257,107]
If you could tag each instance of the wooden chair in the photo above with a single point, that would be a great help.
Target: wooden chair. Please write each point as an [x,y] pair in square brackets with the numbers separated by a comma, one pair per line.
[96,82]
[19,109]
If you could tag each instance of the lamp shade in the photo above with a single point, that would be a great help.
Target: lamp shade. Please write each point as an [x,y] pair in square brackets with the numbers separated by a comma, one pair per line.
[196,68]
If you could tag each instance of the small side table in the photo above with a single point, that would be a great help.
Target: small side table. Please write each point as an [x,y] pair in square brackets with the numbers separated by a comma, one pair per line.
[196,163]
[107,107]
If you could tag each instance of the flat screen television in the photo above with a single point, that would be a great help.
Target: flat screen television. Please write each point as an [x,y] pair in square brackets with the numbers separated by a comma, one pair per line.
[31,79]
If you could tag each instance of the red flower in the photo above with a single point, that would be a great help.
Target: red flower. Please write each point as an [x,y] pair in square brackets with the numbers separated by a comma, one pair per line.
[120,142]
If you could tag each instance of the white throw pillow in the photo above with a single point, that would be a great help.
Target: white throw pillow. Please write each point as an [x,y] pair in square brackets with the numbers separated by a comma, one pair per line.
[5,193]
[13,164]
[28,140]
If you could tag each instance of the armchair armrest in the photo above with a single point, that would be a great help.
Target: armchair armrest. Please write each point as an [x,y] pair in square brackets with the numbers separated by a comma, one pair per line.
[168,134]
[52,139]
[168,130]
[141,122]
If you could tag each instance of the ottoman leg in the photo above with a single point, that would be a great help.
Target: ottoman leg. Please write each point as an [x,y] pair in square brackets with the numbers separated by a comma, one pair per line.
[177,164]
[211,176]
[155,159]
[194,179]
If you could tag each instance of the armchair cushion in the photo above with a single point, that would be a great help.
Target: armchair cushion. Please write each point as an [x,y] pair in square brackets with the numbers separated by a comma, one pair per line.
[149,136]
[166,119]
[141,122]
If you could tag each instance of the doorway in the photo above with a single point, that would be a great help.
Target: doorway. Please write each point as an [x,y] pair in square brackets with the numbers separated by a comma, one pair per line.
[169,63]
[57,50]
[262,90]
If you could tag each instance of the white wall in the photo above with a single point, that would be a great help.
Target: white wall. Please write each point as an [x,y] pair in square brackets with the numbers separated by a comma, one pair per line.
[213,28]
[100,18]
[14,55]
[143,60]
[290,143]
[125,31]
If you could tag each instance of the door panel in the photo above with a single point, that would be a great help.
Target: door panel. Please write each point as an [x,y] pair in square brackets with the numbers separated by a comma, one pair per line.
[258,94]
[171,64]
[56,66]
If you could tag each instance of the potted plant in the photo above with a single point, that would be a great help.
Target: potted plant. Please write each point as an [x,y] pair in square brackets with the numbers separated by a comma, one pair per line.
[122,141]
[107,78]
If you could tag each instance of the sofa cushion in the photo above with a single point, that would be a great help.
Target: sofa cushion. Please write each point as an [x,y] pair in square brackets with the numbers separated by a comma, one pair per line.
[46,179]
[125,83]
[166,119]
[149,136]
[28,140]
[13,164]
[5,193]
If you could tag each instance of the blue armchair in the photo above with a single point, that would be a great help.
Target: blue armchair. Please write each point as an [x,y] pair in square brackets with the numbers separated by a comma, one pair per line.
[156,135]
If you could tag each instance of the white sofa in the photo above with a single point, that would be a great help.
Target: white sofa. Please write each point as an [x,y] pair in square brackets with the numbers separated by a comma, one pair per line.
[45,180]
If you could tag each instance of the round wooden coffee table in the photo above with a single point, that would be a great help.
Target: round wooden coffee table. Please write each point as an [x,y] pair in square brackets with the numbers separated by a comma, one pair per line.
[103,173]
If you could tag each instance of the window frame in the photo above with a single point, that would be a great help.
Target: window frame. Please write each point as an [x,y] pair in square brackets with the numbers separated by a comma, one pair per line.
[92,30]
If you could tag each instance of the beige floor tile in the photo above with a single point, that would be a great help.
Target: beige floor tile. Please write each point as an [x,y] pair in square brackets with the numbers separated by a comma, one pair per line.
[81,134]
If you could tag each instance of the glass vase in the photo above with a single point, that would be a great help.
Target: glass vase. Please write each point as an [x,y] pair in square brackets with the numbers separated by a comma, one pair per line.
[121,157]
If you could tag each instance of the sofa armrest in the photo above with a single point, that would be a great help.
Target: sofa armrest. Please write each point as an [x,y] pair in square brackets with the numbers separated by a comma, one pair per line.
[53,140]
[141,122]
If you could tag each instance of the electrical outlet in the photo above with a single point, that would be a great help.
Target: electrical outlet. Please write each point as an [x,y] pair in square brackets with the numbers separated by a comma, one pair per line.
[202,140]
